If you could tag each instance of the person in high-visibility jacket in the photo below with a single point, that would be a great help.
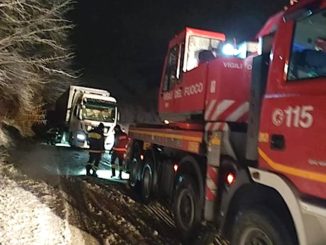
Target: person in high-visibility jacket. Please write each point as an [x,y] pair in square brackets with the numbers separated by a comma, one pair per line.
[118,149]
[96,148]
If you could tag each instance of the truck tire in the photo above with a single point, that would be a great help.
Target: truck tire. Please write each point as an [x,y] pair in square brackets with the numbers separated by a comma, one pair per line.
[133,167]
[260,226]
[133,172]
[186,207]
[146,184]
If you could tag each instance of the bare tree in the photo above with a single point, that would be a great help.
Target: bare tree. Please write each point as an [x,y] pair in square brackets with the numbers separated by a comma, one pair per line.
[34,59]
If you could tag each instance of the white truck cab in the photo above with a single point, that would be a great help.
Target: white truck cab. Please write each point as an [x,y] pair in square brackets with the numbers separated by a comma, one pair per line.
[85,108]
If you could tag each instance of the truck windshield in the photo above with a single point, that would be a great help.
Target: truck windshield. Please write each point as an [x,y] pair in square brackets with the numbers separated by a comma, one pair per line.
[199,44]
[99,110]
[308,56]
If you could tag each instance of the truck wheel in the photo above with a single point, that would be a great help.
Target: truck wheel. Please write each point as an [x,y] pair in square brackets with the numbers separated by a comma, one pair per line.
[186,207]
[259,226]
[133,170]
[146,184]
[134,166]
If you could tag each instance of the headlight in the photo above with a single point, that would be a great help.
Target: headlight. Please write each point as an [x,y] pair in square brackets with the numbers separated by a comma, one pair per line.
[81,136]
[89,128]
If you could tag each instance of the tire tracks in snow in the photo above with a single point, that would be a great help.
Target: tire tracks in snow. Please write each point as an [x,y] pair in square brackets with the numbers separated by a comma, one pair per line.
[161,213]
[114,221]
[132,216]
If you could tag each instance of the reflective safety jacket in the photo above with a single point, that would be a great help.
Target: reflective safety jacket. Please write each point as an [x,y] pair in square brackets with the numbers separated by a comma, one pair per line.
[96,140]
[120,143]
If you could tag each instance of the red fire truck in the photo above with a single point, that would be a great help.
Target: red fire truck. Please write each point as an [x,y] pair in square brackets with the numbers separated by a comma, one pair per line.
[243,147]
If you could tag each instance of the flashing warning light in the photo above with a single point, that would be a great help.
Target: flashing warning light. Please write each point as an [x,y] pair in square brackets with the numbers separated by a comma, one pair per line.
[175,167]
[229,49]
[141,157]
[230,178]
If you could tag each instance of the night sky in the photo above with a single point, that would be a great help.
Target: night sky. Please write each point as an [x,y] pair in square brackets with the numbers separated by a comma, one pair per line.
[120,45]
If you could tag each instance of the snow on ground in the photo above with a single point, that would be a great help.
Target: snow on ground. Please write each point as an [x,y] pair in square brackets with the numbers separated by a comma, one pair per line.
[46,199]
[29,219]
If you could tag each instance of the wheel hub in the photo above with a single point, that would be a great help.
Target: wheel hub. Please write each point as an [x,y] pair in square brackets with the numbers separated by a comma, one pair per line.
[187,209]
[255,236]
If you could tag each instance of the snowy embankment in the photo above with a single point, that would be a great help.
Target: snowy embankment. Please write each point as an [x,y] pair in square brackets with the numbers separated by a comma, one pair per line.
[40,203]
[28,213]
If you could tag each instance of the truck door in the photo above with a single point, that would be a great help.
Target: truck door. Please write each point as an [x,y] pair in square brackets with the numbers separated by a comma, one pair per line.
[170,79]
[292,138]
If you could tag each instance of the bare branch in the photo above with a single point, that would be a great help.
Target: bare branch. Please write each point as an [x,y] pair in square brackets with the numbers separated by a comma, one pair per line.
[34,58]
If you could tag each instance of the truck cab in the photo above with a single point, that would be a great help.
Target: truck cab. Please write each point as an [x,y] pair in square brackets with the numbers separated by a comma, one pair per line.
[91,110]
[293,113]
[288,115]
[80,109]
[186,52]
[198,79]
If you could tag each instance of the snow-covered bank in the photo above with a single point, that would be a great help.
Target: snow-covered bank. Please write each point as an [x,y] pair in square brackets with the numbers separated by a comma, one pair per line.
[46,199]
[27,212]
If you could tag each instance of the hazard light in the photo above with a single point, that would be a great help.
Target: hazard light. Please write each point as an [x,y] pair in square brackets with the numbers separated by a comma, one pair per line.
[230,178]
[229,49]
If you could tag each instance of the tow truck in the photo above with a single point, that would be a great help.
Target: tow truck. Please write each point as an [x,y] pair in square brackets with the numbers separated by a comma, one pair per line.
[243,147]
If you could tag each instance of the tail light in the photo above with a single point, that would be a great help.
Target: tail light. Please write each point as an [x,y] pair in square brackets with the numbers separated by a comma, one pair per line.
[175,167]
[230,178]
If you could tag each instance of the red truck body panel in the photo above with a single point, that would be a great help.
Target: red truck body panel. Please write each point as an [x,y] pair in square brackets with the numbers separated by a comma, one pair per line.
[188,95]
[227,93]
[219,89]
[185,140]
[295,110]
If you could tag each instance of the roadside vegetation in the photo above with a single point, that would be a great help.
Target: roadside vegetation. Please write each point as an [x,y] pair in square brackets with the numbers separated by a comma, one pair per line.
[35,58]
